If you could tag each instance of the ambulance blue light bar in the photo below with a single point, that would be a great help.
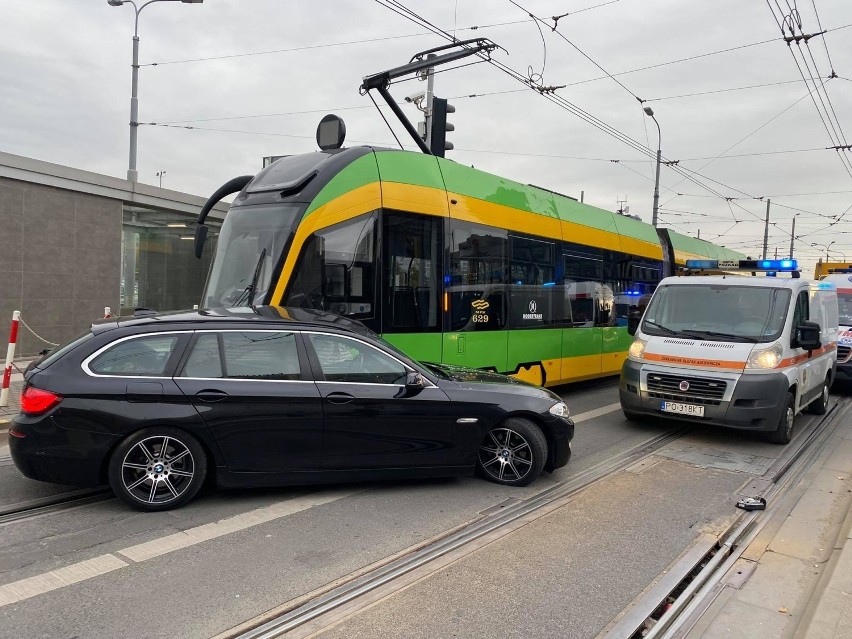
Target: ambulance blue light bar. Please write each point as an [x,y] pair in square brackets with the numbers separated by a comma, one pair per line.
[744,265]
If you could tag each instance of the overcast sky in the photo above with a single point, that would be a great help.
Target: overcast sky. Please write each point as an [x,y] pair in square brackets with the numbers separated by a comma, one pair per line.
[253,78]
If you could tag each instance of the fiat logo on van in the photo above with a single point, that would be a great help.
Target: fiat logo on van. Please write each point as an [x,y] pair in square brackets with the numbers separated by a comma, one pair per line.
[684,386]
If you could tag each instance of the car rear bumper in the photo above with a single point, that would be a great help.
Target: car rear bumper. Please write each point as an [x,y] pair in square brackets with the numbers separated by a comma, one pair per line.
[45,452]
[756,403]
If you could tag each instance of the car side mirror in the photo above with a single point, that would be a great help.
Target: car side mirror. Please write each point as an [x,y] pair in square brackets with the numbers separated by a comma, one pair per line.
[633,323]
[807,335]
[414,380]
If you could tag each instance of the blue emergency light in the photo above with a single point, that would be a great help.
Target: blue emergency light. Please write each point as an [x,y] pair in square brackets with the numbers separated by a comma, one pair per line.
[744,265]
[702,264]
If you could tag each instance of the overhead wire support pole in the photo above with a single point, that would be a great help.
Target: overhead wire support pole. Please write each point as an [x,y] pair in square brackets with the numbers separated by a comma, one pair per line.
[766,230]
[420,62]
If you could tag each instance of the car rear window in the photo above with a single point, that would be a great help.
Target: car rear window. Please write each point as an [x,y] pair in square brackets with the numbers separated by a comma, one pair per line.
[55,354]
[269,355]
[143,356]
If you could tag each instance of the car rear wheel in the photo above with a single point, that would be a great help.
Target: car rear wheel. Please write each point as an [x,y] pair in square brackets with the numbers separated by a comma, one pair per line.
[820,406]
[512,453]
[157,469]
[783,433]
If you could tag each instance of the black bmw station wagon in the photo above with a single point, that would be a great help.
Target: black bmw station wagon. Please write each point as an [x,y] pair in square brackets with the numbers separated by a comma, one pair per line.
[269,396]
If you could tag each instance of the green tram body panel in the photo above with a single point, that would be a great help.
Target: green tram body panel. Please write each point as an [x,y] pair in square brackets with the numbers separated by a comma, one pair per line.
[547,355]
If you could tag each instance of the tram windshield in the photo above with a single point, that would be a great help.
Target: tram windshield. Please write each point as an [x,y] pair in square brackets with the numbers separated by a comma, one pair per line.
[246,232]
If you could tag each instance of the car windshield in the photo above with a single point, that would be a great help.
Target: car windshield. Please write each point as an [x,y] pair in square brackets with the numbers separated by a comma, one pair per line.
[245,233]
[844,306]
[725,312]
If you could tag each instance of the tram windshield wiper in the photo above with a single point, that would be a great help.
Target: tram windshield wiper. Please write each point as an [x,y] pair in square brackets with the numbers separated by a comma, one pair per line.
[248,293]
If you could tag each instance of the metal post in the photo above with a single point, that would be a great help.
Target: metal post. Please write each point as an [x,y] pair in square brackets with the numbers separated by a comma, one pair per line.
[650,113]
[132,173]
[656,189]
[430,88]
[10,358]
[766,230]
[793,236]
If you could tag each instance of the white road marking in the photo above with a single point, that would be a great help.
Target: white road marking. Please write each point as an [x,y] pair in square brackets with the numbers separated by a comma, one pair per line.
[40,584]
[75,573]
[205,532]
[591,414]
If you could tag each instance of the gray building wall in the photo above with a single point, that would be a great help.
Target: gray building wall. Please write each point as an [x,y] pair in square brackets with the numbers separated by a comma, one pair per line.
[61,245]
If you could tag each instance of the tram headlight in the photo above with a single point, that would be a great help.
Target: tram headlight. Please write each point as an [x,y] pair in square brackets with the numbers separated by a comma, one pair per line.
[559,409]
[637,348]
[766,358]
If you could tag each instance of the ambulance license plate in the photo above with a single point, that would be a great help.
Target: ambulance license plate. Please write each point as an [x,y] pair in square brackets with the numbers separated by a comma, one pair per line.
[682,409]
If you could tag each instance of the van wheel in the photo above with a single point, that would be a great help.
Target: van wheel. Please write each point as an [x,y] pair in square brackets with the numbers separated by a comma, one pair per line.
[633,417]
[157,468]
[820,406]
[512,453]
[783,433]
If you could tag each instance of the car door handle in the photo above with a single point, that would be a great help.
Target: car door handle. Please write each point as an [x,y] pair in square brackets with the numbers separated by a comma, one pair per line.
[339,398]
[211,395]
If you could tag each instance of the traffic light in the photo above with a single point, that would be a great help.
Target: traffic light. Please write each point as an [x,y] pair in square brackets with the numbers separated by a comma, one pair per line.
[440,126]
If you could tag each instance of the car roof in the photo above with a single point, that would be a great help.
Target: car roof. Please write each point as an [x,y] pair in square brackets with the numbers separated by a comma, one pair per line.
[291,318]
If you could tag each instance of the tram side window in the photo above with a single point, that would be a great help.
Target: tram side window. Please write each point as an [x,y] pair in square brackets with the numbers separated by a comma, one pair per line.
[479,267]
[532,287]
[336,270]
[413,248]
[582,288]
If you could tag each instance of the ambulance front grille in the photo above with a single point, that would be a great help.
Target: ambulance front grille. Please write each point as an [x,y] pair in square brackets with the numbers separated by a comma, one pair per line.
[700,390]
[843,353]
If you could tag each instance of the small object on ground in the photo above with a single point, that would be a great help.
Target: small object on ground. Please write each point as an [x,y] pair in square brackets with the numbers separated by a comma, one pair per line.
[752,503]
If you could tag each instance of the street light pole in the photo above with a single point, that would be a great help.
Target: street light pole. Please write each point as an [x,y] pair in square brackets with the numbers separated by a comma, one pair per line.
[132,173]
[649,111]
[160,175]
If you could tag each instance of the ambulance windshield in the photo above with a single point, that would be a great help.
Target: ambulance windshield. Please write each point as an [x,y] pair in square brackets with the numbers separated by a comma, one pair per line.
[719,312]
[844,306]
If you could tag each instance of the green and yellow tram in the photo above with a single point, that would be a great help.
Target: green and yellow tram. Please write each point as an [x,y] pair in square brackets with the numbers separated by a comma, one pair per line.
[447,262]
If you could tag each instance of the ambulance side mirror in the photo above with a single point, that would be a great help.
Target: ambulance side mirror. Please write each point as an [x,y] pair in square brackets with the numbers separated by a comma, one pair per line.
[807,335]
[633,323]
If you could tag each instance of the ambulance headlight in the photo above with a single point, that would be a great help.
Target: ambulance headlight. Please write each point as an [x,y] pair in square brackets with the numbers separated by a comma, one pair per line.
[766,358]
[637,348]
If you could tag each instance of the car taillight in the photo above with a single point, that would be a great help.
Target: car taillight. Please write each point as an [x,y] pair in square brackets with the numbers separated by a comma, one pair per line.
[35,401]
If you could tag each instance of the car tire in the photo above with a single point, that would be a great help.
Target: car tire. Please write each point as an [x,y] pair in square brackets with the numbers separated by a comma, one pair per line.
[512,453]
[633,417]
[142,476]
[820,406]
[783,432]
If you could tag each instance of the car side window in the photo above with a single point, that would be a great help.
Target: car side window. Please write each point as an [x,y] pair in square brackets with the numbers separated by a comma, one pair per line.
[260,355]
[142,356]
[347,360]
[204,361]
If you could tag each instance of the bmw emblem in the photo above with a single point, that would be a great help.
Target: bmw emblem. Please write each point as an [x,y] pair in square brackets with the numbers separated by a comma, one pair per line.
[684,386]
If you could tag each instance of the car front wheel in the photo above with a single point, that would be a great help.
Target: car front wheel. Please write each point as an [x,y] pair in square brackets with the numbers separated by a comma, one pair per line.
[157,469]
[512,453]
[783,432]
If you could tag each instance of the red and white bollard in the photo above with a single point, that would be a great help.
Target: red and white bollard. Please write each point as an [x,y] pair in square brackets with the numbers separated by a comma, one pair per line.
[10,356]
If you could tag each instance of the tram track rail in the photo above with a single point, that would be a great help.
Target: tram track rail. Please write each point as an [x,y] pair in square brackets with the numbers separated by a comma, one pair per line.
[32,508]
[350,594]
[698,586]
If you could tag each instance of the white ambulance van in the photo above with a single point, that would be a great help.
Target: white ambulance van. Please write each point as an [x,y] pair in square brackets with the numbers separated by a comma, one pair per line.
[732,350]
[842,280]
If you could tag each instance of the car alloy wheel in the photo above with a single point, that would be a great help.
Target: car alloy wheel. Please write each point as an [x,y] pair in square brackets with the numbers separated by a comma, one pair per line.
[513,453]
[157,469]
